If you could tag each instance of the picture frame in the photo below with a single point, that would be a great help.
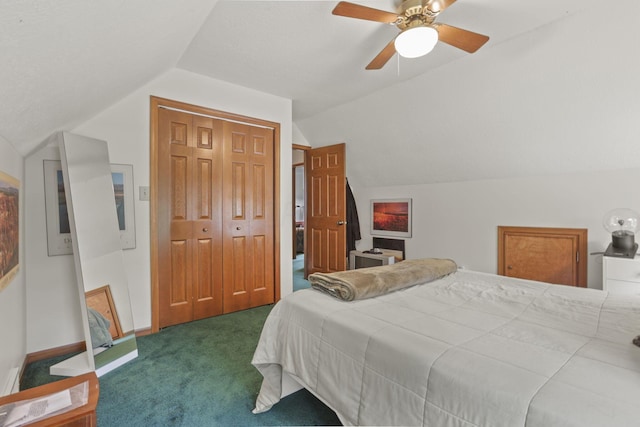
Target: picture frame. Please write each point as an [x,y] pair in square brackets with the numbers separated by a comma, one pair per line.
[101,300]
[391,217]
[58,229]
[9,228]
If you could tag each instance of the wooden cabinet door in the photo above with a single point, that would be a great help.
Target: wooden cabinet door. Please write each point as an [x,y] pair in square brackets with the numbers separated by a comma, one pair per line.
[326,249]
[552,255]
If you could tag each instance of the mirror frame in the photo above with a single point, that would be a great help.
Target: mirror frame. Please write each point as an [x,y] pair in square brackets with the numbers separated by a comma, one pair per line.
[97,251]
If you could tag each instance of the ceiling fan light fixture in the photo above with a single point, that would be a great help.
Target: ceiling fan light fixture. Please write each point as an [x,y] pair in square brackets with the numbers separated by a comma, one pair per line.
[416,41]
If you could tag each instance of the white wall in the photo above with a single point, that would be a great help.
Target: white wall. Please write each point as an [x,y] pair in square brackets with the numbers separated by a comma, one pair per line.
[125,127]
[297,136]
[12,298]
[460,220]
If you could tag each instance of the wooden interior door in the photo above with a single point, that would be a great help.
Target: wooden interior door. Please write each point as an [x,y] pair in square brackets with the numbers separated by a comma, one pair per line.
[248,217]
[552,255]
[189,225]
[325,206]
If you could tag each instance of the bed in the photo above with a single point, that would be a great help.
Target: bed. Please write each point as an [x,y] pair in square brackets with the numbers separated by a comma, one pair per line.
[468,349]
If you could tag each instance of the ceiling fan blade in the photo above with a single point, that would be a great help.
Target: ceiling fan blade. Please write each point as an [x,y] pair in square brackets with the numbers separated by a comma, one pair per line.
[383,57]
[440,5]
[351,10]
[462,39]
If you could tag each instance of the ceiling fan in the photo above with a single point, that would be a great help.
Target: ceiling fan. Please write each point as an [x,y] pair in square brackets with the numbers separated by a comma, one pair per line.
[419,31]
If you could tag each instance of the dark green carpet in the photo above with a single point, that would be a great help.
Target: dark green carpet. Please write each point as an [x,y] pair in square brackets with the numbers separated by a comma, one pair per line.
[195,374]
[299,282]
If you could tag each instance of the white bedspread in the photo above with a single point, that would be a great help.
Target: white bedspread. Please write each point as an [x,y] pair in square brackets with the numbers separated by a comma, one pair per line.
[470,349]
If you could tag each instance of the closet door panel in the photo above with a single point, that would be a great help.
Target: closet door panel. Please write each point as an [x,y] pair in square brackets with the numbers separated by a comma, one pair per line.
[190,287]
[249,195]
[206,155]
[175,251]
[259,189]
[203,283]
[206,296]
[203,182]
[179,188]
[238,191]
[260,279]
[180,273]
[215,216]
[177,285]
[239,258]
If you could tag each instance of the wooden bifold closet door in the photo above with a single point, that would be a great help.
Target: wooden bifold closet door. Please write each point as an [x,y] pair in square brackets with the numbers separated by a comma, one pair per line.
[215,216]
[248,217]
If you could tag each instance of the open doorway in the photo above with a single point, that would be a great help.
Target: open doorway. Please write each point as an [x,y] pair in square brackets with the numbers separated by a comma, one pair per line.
[299,216]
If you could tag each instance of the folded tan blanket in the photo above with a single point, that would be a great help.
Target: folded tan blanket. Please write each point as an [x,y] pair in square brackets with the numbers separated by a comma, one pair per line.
[370,282]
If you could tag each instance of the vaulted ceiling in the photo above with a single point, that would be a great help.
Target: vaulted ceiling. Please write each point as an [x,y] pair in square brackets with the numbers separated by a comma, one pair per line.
[299,50]
[63,62]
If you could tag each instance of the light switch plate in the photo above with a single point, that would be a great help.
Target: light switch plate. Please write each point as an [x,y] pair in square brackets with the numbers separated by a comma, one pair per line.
[144,193]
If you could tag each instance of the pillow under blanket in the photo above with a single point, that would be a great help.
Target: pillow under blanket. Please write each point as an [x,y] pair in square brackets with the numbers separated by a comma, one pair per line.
[373,281]
[99,329]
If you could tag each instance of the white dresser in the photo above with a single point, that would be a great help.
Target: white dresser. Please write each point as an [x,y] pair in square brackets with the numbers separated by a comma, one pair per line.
[621,275]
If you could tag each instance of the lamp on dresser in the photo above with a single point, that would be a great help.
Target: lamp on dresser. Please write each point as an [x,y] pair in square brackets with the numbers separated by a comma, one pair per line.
[623,225]
[620,264]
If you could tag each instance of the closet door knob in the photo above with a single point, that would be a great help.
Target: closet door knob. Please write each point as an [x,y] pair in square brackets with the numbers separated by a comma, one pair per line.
[205,229]
[238,228]
[341,222]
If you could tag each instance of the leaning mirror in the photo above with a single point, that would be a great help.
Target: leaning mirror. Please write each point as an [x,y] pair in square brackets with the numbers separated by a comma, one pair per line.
[102,283]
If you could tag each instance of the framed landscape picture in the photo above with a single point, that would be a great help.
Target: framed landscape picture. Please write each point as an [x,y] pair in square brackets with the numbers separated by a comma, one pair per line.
[9,228]
[391,217]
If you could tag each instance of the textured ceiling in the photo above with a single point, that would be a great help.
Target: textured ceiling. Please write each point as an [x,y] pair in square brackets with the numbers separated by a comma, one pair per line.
[64,61]
[560,99]
[299,50]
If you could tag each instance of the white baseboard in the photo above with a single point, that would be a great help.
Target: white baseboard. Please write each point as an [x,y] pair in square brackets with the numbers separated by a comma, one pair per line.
[13,382]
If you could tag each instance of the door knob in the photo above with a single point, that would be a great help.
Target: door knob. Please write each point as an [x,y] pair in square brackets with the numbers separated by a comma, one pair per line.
[205,229]
[341,222]
[509,267]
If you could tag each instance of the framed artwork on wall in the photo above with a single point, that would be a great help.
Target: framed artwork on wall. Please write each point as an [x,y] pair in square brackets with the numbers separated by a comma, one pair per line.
[58,229]
[9,228]
[391,217]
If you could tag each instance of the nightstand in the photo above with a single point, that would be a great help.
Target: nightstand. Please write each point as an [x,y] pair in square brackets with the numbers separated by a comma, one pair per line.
[621,275]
